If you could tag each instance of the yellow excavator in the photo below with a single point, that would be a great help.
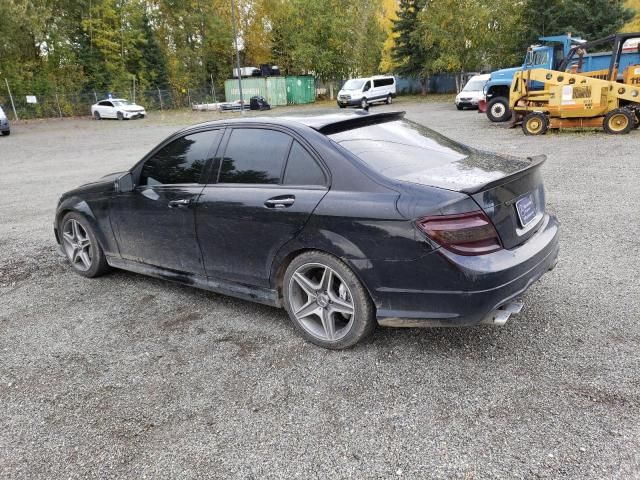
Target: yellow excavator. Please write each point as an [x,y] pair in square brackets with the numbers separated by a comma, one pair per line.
[541,99]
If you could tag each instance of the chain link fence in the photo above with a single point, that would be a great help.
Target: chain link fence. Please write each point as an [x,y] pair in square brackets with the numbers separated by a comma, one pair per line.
[63,104]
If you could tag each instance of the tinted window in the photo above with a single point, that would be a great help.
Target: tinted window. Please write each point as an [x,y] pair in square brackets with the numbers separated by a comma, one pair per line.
[181,161]
[367,86]
[382,82]
[400,149]
[254,155]
[302,169]
[105,104]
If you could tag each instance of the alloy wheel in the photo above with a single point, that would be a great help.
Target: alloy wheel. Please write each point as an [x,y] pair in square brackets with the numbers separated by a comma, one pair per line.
[77,245]
[321,302]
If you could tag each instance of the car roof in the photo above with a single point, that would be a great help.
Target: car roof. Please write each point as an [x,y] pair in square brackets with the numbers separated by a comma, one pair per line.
[326,124]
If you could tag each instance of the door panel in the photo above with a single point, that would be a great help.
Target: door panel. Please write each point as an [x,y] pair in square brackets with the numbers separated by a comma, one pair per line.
[156,225]
[241,228]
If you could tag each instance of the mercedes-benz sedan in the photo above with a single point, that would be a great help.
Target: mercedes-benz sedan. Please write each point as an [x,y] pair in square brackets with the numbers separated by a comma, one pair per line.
[347,221]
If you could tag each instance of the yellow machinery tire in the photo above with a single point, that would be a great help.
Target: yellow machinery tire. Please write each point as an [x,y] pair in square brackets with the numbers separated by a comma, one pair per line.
[535,123]
[618,121]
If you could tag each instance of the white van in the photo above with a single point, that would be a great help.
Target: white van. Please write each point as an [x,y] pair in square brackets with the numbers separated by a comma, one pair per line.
[365,91]
[472,92]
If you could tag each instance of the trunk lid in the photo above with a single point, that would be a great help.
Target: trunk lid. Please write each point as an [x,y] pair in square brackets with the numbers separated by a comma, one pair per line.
[509,190]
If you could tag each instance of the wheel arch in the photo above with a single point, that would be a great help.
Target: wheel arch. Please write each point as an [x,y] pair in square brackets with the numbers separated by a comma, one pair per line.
[281,264]
[75,205]
[498,91]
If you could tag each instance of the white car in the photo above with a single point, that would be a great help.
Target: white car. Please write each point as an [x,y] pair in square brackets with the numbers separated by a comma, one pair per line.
[472,92]
[119,108]
[365,91]
[5,129]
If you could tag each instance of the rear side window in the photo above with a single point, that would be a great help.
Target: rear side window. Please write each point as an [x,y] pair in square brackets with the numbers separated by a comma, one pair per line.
[302,169]
[382,82]
[254,156]
[181,161]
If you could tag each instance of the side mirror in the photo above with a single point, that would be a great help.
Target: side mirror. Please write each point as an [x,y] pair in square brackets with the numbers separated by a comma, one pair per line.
[124,183]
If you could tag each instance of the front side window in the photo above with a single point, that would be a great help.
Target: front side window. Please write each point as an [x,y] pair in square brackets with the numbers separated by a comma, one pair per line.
[254,156]
[367,86]
[105,104]
[181,161]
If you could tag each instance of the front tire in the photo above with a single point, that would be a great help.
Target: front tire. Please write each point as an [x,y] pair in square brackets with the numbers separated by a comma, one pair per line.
[535,123]
[326,301]
[364,104]
[498,110]
[81,246]
[6,133]
[459,107]
[389,100]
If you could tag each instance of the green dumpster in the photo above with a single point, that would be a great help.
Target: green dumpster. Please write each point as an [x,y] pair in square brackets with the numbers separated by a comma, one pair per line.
[301,89]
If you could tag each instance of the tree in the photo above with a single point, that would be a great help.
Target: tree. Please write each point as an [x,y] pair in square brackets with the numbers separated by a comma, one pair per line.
[409,53]
[589,19]
[634,24]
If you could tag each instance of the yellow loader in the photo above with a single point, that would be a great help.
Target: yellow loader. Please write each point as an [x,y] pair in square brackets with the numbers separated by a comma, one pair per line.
[570,100]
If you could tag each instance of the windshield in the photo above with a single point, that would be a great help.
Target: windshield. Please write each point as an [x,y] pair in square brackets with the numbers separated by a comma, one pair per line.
[355,84]
[474,86]
[121,103]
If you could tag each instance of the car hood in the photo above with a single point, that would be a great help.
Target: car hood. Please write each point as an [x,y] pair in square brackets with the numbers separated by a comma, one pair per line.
[132,108]
[505,73]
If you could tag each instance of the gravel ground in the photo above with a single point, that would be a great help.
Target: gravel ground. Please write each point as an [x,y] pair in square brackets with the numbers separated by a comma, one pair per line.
[131,377]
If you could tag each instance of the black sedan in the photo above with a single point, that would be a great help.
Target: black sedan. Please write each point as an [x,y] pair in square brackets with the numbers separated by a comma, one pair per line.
[348,221]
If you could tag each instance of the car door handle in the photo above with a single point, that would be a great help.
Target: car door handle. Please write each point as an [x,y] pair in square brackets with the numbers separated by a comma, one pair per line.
[180,203]
[280,202]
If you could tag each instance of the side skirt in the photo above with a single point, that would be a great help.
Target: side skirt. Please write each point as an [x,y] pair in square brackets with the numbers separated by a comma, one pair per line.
[246,292]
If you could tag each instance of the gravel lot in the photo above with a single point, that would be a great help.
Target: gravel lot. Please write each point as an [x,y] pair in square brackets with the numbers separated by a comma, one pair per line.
[131,377]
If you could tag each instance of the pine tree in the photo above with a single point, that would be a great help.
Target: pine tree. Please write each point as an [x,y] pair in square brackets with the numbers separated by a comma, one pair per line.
[409,55]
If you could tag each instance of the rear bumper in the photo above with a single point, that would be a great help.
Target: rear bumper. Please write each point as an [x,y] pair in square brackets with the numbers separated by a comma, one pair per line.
[445,289]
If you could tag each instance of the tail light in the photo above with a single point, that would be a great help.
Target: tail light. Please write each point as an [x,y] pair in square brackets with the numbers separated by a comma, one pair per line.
[469,233]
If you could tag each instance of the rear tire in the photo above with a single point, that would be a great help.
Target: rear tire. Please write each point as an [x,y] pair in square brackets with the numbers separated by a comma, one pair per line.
[81,246]
[535,123]
[498,110]
[120,116]
[619,121]
[326,301]
[97,116]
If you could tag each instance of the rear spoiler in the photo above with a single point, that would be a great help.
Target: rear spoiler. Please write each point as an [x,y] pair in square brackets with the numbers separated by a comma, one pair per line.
[536,162]
[359,121]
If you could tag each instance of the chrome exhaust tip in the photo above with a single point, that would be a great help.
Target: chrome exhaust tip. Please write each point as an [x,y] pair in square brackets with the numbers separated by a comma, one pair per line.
[500,316]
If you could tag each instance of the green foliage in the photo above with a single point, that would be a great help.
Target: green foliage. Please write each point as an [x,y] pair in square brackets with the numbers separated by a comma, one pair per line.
[409,53]
[589,19]
[332,39]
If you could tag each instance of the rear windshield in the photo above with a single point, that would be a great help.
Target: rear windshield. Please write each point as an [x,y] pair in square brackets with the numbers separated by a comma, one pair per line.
[400,148]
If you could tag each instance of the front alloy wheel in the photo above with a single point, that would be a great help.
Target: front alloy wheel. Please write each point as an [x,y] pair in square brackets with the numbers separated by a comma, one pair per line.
[326,301]
[81,247]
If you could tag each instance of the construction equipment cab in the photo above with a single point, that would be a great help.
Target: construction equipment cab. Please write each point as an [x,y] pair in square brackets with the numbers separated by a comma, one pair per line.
[364,91]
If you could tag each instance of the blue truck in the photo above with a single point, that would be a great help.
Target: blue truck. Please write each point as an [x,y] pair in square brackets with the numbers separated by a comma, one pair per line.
[561,52]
